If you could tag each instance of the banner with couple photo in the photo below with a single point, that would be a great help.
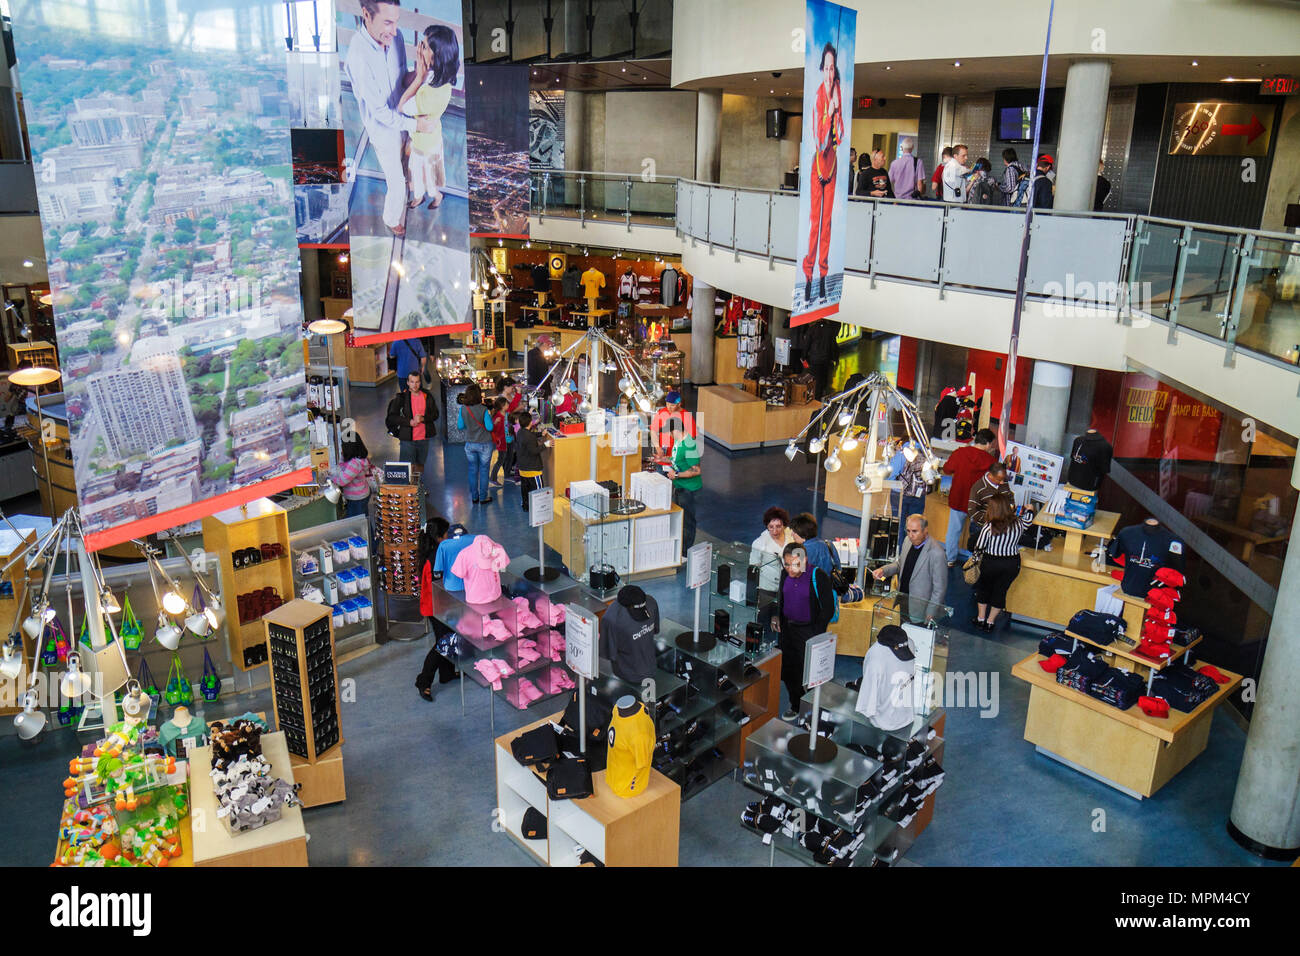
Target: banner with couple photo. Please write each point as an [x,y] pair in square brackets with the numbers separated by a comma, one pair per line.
[824,173]
[403,90]
[163,177]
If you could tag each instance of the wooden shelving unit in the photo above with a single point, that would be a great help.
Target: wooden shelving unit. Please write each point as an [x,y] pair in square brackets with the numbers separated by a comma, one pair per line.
[368,365]
[249,526]
[305,693]
[619,831]
[11,613]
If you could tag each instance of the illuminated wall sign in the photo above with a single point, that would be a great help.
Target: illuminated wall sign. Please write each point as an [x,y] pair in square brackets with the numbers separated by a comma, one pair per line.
[1279,85]
[1221,129]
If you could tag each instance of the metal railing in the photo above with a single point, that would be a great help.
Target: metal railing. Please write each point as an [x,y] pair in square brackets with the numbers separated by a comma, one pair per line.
[1237,286]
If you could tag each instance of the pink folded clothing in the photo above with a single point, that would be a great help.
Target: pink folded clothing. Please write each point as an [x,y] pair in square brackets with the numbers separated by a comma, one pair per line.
[527,619]
[496,628]
[527,656]
[529,691]
[556,681]
[557,639]
[480,565]
[512,625]
[487,667]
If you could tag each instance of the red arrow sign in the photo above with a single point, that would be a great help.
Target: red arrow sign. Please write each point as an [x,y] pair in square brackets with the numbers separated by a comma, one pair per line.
[1249,130]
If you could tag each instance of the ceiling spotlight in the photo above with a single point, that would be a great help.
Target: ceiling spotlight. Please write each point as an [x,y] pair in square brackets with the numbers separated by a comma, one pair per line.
[34,625]
[957,63]
[198,624]
[74,681]
[889,68]
[343,258]
[214,612]
[108,603]
[168,634]
[849,443]
[1195,63]
[173,603]
[31,721]
[11,658]
[27,263]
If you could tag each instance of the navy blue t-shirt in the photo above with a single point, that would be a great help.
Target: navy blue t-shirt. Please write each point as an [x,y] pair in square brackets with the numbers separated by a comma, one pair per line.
[1146,548]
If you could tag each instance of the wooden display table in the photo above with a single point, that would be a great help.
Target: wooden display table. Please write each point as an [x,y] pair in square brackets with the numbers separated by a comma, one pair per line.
[853,629]
[1250,540]
[590,314]
[1124,749]
[735,419]
[544,312]
[569,460]
[1078,540]
[619,831]
[725,371]
[282,843]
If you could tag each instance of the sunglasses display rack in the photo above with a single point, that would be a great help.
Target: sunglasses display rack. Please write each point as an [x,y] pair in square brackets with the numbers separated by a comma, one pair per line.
[866,805]
[742,586]
[234,535]
[336,559]
[701,725]
[304,683]
[397,525]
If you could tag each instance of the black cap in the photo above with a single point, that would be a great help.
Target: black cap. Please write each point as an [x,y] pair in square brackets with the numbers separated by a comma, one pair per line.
[534,825]
[895,638]
[633,598]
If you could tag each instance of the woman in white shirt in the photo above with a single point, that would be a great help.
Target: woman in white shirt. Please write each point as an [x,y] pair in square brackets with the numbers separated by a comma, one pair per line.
[768,547]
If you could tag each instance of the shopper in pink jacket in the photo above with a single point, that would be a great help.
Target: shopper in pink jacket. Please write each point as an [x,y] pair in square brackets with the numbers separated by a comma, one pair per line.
[480,566]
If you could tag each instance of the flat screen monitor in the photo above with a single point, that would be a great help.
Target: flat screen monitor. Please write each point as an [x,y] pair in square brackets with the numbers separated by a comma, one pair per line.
[1016,124]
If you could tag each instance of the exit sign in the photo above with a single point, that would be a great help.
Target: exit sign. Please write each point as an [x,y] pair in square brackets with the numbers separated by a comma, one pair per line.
[864,102]
[1279,85]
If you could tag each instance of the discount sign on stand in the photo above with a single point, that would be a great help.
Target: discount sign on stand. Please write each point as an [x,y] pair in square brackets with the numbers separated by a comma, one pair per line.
[580,656]
[699,572]
[541,512]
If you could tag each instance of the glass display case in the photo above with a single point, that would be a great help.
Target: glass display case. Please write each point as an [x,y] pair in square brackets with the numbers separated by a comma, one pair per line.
[331,565]
[699,719]
[744,582]
[600,545]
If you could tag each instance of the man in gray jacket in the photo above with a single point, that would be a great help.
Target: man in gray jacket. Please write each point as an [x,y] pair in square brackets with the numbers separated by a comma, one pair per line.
[922,572]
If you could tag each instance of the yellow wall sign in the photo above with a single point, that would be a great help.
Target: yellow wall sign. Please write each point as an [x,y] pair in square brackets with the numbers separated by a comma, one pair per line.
[847,333]
[499,259]
[1221,129]
[557,262]
[1143,403]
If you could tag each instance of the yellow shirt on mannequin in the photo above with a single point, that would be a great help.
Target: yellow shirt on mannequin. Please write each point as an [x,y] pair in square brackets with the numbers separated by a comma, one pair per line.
[631,745]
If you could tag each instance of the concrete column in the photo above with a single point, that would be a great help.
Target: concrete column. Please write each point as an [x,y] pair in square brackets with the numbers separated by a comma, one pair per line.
[576,154]
[1083,123]
[1049,403]
[1265,816]
[708,136]
[702,306]
[310,280]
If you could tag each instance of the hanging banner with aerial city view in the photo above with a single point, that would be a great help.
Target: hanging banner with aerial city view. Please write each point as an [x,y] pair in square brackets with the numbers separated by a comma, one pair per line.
[163,177]
[403,99]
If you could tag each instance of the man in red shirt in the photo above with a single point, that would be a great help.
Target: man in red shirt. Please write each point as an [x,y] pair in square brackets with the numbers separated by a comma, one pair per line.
[410,419]
[937,182]
[966,465]
[669,424]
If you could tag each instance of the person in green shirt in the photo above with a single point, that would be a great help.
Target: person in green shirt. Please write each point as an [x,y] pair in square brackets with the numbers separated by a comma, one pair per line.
[685,473]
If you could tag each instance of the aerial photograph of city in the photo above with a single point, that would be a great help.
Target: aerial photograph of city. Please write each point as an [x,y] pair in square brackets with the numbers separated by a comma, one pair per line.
[165,193]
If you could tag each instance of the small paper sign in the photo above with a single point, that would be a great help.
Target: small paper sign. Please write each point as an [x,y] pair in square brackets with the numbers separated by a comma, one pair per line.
[541,507]
[580,641]
[699,565]
[819,660]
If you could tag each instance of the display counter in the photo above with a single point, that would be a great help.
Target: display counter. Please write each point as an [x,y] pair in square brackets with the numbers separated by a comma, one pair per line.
[731,417]
[282,843]
[569,460]
[368,365]
[1125,749]
[638,546]
[563,338]
[618,831]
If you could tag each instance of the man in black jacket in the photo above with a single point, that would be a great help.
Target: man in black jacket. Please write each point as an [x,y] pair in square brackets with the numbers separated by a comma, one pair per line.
[819,352]
[536,363]
[410,419]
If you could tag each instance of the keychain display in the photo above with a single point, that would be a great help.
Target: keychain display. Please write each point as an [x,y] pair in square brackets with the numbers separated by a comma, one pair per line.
[178,686]
[131,632]
[210,683]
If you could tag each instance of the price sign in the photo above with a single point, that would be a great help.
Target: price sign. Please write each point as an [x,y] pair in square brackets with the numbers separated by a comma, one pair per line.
[782,351]
[541,507]
[625,439]
[819,660]
[580,641]
[699,565]
[596,422]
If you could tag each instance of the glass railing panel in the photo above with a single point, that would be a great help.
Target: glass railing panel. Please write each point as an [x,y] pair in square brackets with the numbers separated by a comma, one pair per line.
[722,212]
[1269,320]
[653,200]
[1078,259]
[1206,293]
[982,248]
[700,212]
[1154,255]
[908,240]
[785,216]
[857,237]
[752,222]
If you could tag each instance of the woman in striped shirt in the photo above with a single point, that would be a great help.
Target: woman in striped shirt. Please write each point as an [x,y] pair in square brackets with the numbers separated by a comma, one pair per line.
[353,477]
[999,546]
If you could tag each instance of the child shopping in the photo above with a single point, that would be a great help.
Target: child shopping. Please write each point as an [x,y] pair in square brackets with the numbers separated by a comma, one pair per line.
[437,63]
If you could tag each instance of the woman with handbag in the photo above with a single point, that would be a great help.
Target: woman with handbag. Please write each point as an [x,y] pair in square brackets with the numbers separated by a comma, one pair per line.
[996,561]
